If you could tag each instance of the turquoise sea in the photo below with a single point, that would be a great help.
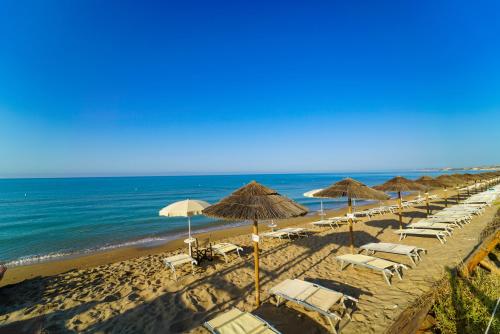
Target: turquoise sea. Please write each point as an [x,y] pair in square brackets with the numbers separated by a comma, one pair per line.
[44,219]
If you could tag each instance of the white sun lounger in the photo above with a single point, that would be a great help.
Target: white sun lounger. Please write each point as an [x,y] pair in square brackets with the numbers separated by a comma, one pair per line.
[178,260]
[326,223]
[447,228]
[225,248]
[452,221]
[313,297]
[238,322]
[403,233]
[286,233]
[387,268]
[413,252]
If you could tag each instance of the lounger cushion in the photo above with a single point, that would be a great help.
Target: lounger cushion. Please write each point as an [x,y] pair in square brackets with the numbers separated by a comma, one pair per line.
[225,247]
[238,322]
[179,259]
[308,292]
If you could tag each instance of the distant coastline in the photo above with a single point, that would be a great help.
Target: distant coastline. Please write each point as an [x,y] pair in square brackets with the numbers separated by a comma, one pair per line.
[461,169]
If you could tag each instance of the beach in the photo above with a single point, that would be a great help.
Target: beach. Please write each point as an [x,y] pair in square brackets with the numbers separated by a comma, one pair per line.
[130,290]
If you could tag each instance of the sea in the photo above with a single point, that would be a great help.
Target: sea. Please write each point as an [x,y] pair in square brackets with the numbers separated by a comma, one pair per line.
[44,219]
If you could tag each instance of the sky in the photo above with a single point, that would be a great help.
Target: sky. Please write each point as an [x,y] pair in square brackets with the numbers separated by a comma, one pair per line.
[99,88]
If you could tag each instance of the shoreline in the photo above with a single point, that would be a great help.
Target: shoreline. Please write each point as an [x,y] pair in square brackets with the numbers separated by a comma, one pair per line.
[132,291]
[103,257]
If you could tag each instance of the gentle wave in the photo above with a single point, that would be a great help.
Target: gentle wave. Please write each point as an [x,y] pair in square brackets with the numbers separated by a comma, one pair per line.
[146,242]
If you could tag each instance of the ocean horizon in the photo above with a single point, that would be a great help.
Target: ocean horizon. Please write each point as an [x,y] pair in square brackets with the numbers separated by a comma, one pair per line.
[44,219]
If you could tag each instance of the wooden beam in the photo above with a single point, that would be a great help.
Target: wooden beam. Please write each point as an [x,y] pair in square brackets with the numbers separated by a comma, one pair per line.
[481,252]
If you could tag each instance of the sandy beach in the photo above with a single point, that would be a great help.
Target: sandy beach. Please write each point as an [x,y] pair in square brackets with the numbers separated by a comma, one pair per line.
[131,291]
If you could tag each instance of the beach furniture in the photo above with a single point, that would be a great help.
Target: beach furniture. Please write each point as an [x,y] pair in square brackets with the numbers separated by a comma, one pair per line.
[387,268]
[177,260]
[313,297]
[403,233]
[447,228]
[413,252]
[286,233]
[237,322]
[225,248]
[326,223]
[203,250]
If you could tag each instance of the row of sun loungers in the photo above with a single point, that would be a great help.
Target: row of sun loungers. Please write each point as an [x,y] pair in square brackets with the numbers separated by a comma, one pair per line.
[334,305]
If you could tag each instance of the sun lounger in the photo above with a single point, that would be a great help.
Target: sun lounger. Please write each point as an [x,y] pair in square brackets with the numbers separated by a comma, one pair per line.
[313,297]
[412,252]
[403,233]
[286,233]
[447,228]
[387,268]
[326,223]
[225,248]
[178,260]
[238,322]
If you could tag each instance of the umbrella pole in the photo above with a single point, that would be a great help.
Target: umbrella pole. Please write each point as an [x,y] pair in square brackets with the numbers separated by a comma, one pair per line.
[256,260]
[351,234]
[427,201]
[445,197]
[458,195]
[400,210]
[189,235]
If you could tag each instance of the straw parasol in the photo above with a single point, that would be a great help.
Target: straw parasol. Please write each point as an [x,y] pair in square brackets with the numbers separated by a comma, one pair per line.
[400,184]
[429,183]
[255,202]
[351,189]
[450,181]
[186,208]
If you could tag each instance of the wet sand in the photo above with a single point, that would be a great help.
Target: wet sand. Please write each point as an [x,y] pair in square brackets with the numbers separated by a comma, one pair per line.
[130,290]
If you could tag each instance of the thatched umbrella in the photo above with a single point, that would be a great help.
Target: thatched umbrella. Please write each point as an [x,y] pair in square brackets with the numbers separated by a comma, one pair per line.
[255,202]
[351,189]
[451,181]
[429,183]
[400,184]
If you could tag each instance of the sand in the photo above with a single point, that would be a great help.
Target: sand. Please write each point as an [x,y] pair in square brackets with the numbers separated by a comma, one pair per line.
[137,293]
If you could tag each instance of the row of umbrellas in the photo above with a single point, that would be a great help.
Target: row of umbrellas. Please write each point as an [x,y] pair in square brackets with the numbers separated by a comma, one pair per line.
[256,202]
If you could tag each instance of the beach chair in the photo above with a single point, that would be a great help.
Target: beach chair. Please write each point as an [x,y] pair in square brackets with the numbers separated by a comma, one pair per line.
[313,297]
[203,250]
[326,223]
[446,228]
[297,231]
[238,322]
[403,233]
[178,260]
[225,248]
[387,268]
[412,252]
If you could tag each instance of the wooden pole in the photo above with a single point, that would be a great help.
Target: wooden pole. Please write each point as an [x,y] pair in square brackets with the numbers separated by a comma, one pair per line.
[351,233]
[400,210]
[458,195]
[256,260]
[427,201]
[445,197]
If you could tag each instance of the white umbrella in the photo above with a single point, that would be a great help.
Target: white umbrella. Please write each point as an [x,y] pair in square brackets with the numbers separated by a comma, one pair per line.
[311,194]
[186,208]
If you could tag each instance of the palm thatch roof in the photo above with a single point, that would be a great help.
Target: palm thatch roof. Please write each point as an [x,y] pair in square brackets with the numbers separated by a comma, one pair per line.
[255,202]
[400,184]
[429,182]
[351,189]
[449,180]
[471,177]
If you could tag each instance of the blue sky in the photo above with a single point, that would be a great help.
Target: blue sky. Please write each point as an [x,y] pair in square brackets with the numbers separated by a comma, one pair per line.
[141,88]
